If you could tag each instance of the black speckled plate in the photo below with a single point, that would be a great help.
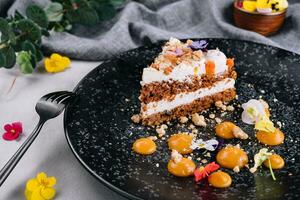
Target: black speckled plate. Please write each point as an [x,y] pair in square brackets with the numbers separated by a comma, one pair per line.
[100,132]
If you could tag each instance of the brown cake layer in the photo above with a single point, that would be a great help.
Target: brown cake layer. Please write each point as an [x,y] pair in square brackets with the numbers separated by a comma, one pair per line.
[157,91]
[188,109]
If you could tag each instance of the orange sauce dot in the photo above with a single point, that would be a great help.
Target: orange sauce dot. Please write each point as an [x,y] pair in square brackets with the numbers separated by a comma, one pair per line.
[144,146]
[271,139]
[276,160]
[210,68]
[220,179]
[230,157]
[225,130]
[180,142]
[185,167]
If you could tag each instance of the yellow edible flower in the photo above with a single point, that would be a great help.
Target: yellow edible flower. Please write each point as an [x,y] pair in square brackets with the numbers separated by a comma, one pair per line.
[56,63]
[40,188]
[249,5]
[265,124]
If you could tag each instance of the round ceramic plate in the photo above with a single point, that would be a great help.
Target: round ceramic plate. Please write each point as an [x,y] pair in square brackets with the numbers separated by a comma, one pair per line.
[100,132]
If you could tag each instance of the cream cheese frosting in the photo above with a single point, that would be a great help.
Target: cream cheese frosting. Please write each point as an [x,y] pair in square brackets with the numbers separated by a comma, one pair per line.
[186,69]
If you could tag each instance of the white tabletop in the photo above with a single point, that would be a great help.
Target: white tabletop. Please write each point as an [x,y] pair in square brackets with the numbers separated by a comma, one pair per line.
[50,152]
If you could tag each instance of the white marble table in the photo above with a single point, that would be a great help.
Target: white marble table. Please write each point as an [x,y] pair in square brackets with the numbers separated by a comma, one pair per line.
[49,152]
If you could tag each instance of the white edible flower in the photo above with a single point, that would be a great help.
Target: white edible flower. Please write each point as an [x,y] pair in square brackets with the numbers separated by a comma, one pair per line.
[209,145]
[254,111]
[259,158]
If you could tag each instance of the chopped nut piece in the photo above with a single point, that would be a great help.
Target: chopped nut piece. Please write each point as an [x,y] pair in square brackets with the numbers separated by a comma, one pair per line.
[204,161]
[239,133]
[153,138]
[212,116]
[279,124]
[218,120]
[198,120]
[183,120]
[176,156]
[219,104]
[161,130]
[236,169]
[230,108]
[136,118]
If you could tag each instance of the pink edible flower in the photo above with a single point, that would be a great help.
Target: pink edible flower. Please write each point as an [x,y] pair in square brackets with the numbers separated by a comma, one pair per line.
[13,131]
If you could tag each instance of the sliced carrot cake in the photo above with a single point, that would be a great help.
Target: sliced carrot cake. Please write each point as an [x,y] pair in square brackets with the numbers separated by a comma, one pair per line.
[185,78]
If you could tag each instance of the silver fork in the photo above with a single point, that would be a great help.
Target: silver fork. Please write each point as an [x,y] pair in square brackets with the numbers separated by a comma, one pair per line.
[48,107]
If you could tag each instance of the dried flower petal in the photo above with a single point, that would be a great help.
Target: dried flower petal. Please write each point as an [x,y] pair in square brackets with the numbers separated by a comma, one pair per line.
[209,145]
[203,172]
[259,158]
[13,131]
[198,45]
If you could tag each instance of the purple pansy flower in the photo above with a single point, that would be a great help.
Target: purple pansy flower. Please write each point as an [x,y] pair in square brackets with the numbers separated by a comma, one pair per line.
[198,45]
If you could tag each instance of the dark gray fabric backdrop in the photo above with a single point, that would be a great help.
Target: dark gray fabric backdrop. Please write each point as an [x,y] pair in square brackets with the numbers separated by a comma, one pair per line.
[144,21]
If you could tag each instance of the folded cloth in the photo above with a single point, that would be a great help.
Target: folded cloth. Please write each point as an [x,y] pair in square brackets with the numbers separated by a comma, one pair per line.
[144,21]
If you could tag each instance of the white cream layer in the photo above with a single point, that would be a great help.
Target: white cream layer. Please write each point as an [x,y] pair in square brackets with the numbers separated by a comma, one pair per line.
[184,70]
[186,98]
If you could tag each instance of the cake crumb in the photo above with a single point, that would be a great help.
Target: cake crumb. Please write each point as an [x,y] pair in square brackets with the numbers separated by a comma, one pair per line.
[212,115]
[161,131]
[236,169]
[279,124]
[175,156]
[218,120]
[218,104]
[136,118]
[183,120]
[153,138]
[230,108]
[239,133]
[198,120]
[204,161]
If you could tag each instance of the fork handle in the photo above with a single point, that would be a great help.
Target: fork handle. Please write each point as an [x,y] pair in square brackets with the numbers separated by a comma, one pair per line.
[13,161]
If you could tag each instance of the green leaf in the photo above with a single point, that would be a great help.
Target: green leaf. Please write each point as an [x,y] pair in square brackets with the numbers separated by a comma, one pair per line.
[45,32]
[2,60]
[24,60]
[117,3]
[86,16]
[105,10]
[28,46]
[28,30]
[54,11]
[39,55]
[18,15]
[33,60]
[38,15]
[10,56]
[6,33]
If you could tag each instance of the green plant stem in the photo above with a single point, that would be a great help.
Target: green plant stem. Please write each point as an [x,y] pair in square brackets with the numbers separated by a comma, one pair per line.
[271,170]
[12,85]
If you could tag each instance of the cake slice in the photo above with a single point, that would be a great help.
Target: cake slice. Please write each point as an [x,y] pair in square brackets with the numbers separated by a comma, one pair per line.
[185,78]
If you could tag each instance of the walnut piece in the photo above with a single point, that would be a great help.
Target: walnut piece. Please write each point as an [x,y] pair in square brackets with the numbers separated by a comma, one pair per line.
[198,120]
[183,120]
[239,133]
[136,118]
[161,131]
